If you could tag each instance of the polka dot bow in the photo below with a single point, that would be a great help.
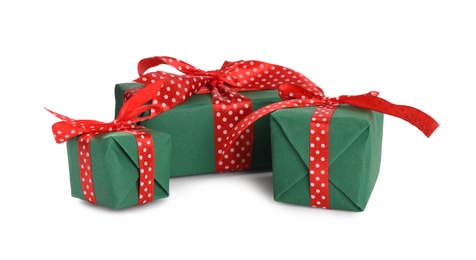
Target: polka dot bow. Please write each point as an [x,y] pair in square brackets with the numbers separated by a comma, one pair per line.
[297,96]
[224,85]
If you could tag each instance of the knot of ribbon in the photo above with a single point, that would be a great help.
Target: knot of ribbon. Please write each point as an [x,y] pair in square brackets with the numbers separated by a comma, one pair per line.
[209,80]
[297,96]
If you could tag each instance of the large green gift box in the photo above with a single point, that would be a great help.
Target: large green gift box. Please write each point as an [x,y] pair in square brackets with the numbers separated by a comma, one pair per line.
[192,128]
[115,168]
[355,141]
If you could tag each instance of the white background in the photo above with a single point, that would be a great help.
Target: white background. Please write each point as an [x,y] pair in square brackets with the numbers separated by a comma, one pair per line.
[68,57]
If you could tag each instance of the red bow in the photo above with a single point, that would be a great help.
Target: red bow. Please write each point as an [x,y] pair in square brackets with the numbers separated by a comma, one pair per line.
[223,83]
[130,114]
[229,106]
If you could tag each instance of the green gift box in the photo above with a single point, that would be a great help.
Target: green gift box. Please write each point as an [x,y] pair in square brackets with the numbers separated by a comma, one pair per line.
[192,128]
[355,142]
[115,168]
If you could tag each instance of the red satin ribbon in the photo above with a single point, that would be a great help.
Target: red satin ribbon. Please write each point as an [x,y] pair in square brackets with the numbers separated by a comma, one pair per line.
[229,106]
[295,96]
[129,114]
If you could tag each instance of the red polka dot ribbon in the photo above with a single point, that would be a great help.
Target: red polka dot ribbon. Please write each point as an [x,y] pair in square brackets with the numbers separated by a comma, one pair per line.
[229,106]
[296,96]
[130,114]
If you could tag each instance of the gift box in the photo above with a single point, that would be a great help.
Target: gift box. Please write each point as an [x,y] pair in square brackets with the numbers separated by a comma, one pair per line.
[114,162]
[355,141]
[326,150]
[191,125]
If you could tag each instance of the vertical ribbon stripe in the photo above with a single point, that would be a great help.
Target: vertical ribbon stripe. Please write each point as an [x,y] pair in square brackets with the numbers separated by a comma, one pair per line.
[85,169]
[229,109]
[145,149]
[319,156]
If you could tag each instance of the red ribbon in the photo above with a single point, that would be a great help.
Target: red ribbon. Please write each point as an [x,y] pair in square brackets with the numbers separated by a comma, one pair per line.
[229,106]
[129,114]
[295,96]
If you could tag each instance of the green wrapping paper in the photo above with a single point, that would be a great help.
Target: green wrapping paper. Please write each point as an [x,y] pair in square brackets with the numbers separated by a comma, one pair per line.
[192,129]
[355,141]
[115,168]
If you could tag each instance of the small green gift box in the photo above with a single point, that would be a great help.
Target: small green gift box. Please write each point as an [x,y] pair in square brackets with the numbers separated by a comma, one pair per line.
[355,141]
[191,125]
[114,161]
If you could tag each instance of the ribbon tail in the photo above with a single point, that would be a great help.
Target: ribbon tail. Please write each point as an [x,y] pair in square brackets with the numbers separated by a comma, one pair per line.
[416,117]
[62,117]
